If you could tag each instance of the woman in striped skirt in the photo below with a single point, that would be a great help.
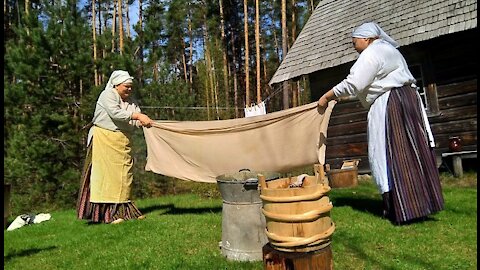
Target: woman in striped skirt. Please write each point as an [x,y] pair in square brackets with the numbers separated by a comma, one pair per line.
[400,142]
[105,188]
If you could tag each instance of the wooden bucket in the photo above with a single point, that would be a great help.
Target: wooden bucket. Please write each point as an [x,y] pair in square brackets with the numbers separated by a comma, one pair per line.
[297,218]
[345,177]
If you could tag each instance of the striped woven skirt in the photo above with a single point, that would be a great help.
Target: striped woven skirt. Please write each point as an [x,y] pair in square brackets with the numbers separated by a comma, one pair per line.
[413,176]
[100,212]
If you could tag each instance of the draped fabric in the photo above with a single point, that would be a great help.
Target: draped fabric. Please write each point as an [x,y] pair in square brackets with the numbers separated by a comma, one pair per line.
[202,150]
[412,171]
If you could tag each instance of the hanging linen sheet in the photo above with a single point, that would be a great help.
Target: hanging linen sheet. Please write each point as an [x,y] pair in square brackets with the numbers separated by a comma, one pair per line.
[202,150]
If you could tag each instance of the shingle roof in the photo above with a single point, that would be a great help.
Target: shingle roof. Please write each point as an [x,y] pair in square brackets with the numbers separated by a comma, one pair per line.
[325,40]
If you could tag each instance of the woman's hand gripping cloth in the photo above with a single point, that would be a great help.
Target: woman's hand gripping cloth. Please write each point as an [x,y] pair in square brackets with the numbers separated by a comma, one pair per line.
[202,150]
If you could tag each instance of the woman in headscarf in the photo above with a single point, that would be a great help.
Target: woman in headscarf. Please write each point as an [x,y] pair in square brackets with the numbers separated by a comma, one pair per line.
[400,142]
[107,174]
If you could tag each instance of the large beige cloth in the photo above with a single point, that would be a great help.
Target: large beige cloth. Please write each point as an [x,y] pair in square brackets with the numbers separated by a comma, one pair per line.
[202,150]
[111,176]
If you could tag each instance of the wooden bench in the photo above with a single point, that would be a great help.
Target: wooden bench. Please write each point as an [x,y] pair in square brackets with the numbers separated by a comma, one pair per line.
[457,158]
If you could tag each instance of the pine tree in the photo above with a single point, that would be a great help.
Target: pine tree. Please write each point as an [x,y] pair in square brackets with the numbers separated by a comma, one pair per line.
[48,63]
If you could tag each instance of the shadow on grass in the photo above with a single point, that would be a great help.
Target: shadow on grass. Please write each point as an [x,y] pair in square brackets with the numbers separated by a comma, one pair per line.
[26,252]
[374,207]
[180,211]
[158,207]
[368,205]
[357,248]
[170,209]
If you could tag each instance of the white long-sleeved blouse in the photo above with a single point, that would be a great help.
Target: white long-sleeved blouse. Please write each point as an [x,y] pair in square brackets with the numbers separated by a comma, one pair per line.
[379,68]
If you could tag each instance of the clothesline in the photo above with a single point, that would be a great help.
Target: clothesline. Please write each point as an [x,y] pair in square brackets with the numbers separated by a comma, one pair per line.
[276,91]
[192,108]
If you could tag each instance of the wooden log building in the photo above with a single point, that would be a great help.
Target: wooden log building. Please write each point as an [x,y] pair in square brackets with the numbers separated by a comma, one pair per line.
[437,40]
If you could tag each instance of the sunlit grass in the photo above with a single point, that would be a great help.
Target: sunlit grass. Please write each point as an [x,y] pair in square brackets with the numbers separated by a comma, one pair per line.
[183,231]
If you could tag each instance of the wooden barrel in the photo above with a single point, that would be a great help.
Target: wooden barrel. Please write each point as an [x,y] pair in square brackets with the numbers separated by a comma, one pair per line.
[297,218]
[6,204]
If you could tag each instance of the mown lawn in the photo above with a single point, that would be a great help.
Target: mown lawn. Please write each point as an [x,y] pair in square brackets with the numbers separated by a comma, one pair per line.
[183,232]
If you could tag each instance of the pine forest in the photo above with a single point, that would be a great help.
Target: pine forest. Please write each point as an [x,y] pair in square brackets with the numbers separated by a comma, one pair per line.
[191,60]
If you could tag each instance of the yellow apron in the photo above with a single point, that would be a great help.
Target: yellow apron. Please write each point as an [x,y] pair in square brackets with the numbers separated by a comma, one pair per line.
[111,176]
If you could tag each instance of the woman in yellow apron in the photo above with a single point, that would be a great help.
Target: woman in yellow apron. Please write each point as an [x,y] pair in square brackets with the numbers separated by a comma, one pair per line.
[107,174]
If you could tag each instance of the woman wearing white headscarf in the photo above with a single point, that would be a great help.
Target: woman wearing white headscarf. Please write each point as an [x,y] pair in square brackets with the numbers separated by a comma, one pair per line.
[400,142]
[107,174]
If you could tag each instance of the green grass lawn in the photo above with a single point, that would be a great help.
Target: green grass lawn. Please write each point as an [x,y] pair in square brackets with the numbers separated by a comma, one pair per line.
[183,232]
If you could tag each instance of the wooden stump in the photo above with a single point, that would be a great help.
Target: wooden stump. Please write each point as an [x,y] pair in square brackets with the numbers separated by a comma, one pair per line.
[278,260]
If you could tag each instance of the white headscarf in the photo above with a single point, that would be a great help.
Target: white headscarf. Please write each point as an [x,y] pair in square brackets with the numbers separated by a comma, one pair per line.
[370,30]
[118,77]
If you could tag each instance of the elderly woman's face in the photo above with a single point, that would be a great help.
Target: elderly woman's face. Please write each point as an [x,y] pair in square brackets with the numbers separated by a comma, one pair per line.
[360,44]
[124,90]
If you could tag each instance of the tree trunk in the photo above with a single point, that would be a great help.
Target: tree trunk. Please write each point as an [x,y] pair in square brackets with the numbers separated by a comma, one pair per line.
[247,77]
[94,36]
[257,48]
[27,13]
[208,66]
[235,80]
[284,51]
[127,20]
[274,32]
[294,33]
[184,61]
[27,7]
[190,35]
[120,25]
[114,20]
[104,46]
[265,69]
[225,61]
[140,35]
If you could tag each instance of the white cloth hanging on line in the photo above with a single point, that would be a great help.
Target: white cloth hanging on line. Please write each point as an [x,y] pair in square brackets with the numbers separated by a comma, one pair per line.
[255,110]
